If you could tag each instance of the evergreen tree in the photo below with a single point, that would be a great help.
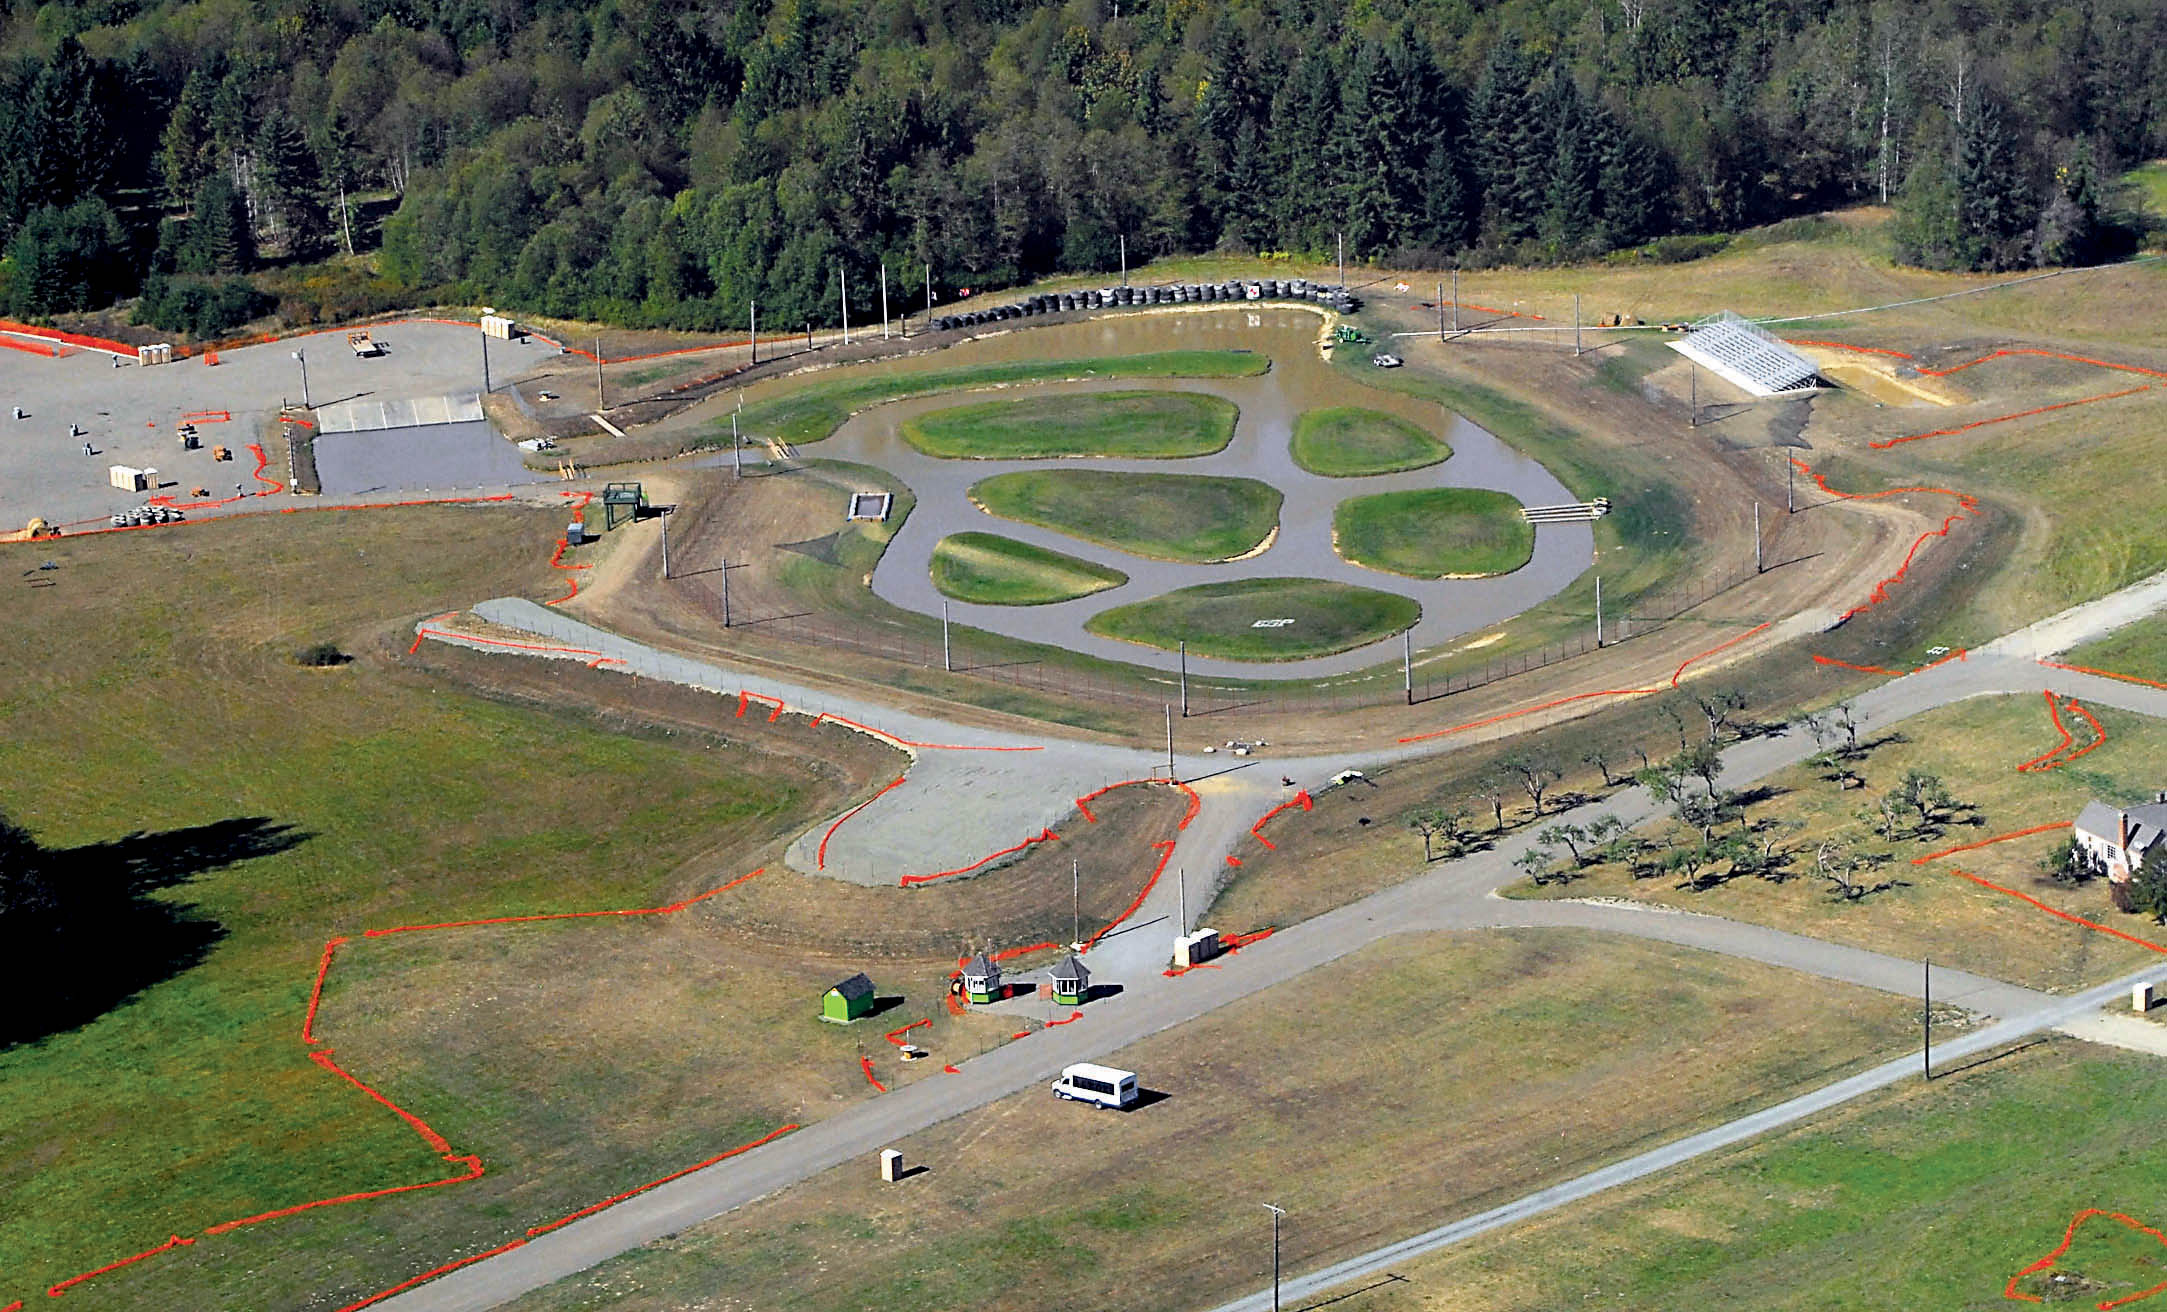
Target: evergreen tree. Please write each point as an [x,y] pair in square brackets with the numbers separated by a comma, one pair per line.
[185,151]
[68,259]
[2148,885]
[289,187]
[1508,167]
[2071,231]
[1446,221]
[1995,205]
[219,238]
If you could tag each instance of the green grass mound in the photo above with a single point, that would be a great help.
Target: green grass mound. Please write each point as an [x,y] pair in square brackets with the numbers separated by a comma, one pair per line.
[1261,619]
[1187,517]
[996,571]
[1142,425]
[811,412]
[1349,442]
[1434,533]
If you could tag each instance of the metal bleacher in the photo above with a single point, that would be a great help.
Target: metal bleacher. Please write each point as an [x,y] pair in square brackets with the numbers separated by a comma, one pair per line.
[1741,352]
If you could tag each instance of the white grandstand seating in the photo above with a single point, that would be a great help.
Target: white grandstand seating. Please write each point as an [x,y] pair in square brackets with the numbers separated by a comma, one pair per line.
[1740,351]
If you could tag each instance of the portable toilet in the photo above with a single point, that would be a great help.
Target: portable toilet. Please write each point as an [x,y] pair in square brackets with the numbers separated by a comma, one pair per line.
[981,979]
[1071,982]
[848,1000]
[1196,949]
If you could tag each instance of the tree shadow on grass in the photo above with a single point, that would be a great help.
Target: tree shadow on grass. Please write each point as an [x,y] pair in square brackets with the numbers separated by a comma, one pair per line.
[81,930]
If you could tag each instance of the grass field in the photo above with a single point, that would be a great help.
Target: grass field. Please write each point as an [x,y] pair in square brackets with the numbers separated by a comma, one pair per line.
[266,807]
[2139,649]
[997,571]
[1422,1078]
[1924,1196]
[1142,425]
[1350,442]
[1434,533]
[1187,517]
[811,412]
[1220,619]
[1927,911]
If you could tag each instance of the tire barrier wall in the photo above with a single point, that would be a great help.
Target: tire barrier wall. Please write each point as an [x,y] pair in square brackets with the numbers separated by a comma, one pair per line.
[1240,291]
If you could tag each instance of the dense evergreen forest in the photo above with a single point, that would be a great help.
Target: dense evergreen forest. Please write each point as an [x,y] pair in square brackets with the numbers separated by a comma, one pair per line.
[664,162]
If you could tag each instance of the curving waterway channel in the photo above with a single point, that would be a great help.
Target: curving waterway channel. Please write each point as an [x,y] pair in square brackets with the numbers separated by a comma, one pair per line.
[1299,380]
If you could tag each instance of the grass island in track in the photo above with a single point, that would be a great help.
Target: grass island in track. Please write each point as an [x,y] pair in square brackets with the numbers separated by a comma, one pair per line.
[1000,571]
[1269,619]
[1194,518]
[1350,442]
[1138,425]
[811,412]
[1434,533]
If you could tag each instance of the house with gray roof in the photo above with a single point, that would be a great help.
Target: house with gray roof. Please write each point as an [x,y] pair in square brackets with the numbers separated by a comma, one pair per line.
[2117,837]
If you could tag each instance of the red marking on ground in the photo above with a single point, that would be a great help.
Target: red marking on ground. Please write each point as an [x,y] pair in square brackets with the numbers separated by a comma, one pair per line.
[867,1062]
[1965,505]
[893,1036]
[1044,836]
[428,632]
[601,661]
[615,1199]
[1989,842]
[556,558]
[2053,758]
[955,1004]
[55,1291]
[1233,860]
[473,1172]
[1069,1019]
[50,352]
[1491,309]
[905,742]
[106,344]
[1004,954]
[1846,346]
[821,859]
[1166,854]
[1555,702]
[1957,655]
[207,417]
[2058,913]
[296,419]
[2044,354]
[1886,443]
[2069,1236]
[322,1057]
[273,486]
[1301,799]
[432,1274]
[316,994]
[671,909]
[2105,674]
[949,1069]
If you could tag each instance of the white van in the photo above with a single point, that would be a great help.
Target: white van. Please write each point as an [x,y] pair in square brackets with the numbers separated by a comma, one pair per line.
[1101,1086]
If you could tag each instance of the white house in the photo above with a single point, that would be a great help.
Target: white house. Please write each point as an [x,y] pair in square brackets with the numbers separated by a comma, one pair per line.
[2118,837]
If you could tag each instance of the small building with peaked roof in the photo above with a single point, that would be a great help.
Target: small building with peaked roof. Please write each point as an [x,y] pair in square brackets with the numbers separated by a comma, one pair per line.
[981,979]
[848,1001]
[1071,981]
[2116,838]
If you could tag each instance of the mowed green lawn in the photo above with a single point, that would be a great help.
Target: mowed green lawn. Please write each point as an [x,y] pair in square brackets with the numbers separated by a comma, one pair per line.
[2139,649]
[811,412]
[150,692]
[1000,571]
[1351,442]
[1430,533]
[1261,619]
[1927,1196]
[1144,425]
[1187,517]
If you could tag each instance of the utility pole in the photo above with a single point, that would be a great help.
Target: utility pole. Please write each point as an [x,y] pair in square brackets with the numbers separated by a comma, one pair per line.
[299,358]
[1343,261]
[947,663]
[1790,487]
[665,546]
[1926,1021]
[726,591]
[1184,678]
[1440,312]
[1075,924]
[486,388]
[1277,1213]
[1407,663]
[1693,393]
[1576,324]
[1170,742]
[1455,298]
[737,446]
[1598,610]
[884,300]
[1181,902]
[843,298]
[808,337]
[1124,259]
[929,297]
[600,404]
[755,316]
[1757,537]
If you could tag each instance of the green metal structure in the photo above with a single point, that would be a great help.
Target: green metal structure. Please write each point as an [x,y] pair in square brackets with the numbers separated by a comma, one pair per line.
[848,1000]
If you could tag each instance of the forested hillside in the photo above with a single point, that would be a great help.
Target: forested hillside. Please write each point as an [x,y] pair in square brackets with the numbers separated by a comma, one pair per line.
[665,162]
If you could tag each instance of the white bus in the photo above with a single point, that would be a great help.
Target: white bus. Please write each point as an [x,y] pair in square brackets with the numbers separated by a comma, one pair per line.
[1101,1086]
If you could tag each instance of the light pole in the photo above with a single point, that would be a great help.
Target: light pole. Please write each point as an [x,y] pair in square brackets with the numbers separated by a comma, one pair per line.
[302,360]
[1277,1213]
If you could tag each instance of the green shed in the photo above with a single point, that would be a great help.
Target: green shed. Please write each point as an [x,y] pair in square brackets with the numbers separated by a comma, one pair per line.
[848,1000]
[982,980]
